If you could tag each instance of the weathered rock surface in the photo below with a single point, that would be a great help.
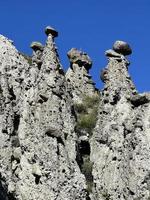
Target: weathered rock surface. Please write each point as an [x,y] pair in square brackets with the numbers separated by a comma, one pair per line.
[120,146]
[42,153]
[51,31]
[37,55]
[37,137]
[122,47]
[78,77]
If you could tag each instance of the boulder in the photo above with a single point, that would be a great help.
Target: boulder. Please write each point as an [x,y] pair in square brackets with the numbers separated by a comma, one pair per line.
[52,31]
[122,47]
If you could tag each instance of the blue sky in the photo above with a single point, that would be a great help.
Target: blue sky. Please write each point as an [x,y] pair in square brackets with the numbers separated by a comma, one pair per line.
[90,25]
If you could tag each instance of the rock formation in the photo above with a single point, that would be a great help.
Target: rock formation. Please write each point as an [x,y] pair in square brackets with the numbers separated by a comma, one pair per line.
[37,53]
[38,140]
[120,142]
[43,155]
[78,75]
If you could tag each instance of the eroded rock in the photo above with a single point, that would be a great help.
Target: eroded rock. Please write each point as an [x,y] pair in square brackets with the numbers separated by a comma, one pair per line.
[120,142]
[81,83]
[34,164]
[122,47]
[51,31]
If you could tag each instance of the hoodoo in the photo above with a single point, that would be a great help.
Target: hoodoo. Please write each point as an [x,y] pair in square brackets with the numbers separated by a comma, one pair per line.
[61,138]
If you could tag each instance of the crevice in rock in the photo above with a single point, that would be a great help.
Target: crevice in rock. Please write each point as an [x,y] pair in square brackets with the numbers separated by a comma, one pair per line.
[16,123]
[83,160]
[37,179]
[11,196]
[3,192]
[14,136]
[11,92]
[54,133]
[44,98]
[84,148]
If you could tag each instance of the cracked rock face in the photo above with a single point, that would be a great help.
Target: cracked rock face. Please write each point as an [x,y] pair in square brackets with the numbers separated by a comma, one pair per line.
[120,146]
[38,141]
[78,77]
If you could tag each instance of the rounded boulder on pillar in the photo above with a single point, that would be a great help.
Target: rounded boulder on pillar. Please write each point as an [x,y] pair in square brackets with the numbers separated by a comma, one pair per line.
[36,46]
[122,48]
[49,30]
[79,57]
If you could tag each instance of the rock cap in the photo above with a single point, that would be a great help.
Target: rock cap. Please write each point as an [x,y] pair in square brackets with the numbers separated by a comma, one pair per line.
[112,53]
[52,31]
[79,57]
[122,47]
[37,46]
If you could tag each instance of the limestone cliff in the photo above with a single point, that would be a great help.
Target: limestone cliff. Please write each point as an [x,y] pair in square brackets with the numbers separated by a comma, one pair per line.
[62,140]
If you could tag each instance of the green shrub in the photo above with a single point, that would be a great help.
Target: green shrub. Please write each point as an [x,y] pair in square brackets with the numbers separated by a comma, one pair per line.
[87,114]
[87,121]
[91,101]
[80,108]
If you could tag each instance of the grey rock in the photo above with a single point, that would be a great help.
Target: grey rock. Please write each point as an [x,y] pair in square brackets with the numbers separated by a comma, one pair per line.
[37,54]
[51,31]
[36,170]
[79,57]
[34,164]
[17,154]
[41,154]
[37,46]
[79,80]
[103,75]
[122,47]
[120,142]
[112,53]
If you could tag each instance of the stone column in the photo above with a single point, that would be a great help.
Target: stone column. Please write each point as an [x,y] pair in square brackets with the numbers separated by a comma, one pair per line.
[36,61]
[115,76]
[120,142]
[37,53]
[78,75]
[50,55]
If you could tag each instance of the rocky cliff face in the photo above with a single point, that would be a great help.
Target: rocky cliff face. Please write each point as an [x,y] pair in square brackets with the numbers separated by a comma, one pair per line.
[120,146]
[38,140]
[43,155]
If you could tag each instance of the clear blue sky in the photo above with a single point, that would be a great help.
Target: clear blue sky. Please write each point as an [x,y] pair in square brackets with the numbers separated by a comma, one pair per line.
[90,25]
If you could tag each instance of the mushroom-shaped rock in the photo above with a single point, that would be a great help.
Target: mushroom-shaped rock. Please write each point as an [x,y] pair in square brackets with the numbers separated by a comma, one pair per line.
[112,53]
[79,57]
[37,46]
[122,48]
[52,31]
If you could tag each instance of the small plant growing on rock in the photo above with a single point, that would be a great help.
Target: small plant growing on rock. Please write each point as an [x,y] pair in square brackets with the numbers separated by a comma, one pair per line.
[87,114]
